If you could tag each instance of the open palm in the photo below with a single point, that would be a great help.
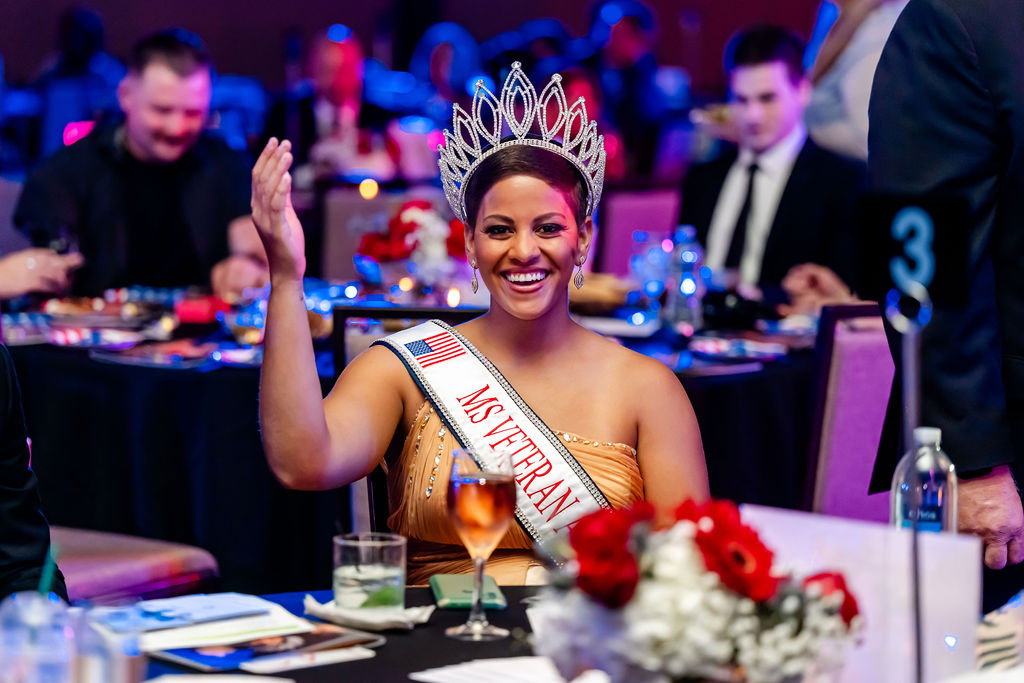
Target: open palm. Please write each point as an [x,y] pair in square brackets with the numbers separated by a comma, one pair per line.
[272,211]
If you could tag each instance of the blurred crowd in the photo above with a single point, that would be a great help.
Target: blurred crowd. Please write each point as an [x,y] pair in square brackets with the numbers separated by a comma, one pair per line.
[167,140]
[365,114]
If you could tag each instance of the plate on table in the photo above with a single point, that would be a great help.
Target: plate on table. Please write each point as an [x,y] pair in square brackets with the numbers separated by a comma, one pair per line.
[731,349]
[181,354]
[641,328]
[22,329]
[86,312]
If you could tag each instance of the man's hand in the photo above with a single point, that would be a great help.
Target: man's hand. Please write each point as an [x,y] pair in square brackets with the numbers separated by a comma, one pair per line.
[36,270]
[232,276]
[990,507]
[811,286]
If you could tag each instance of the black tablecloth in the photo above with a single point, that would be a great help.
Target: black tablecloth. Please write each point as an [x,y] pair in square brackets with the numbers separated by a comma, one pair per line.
[756,429]
[406,652]
[175,455]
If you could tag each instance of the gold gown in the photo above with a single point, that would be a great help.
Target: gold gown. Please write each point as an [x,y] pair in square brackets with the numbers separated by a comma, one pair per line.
[418,485]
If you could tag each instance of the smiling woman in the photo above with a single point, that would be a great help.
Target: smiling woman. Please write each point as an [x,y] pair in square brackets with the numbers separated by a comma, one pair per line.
[621,428]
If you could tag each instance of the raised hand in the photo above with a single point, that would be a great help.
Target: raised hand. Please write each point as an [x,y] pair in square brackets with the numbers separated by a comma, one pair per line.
[272,211]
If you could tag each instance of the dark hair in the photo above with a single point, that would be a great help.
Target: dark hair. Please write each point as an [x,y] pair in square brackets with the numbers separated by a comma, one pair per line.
[528,160]
[181,50]
[766,43]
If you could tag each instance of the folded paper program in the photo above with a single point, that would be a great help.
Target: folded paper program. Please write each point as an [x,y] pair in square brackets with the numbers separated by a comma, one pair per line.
[368,619]
[198,609]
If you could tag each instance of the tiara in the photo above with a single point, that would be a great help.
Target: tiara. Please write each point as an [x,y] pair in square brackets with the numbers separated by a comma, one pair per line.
[572,136]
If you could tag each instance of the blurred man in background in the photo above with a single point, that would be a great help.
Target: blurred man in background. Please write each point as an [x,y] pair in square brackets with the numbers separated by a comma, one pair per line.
[779,200]
[331,127]
[152,200]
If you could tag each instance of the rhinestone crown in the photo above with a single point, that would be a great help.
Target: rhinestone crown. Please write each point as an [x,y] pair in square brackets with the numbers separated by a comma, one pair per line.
[572,135]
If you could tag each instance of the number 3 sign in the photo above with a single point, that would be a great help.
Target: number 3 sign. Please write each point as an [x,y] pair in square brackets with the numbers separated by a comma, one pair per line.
[914,247]
[915,229]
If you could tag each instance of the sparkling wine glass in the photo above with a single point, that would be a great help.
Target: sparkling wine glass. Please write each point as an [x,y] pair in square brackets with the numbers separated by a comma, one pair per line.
[481,500]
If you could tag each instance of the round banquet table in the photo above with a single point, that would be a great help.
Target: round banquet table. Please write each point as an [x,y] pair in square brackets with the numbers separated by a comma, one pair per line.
[176,455]
[756,428]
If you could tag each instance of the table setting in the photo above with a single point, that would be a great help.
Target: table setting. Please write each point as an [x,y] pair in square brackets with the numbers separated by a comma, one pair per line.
[712,598]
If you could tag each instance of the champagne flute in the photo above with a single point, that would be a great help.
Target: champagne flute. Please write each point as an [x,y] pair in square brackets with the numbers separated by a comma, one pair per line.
[481,499]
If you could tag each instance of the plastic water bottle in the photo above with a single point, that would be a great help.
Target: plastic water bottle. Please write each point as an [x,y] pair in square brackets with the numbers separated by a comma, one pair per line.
[685,289]
[924,485]
[36,642]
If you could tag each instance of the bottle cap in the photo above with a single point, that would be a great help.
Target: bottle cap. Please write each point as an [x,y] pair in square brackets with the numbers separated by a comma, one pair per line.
[927,436]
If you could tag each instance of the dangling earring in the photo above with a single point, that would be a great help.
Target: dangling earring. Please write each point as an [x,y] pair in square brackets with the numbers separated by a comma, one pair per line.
[474,283]
[578,278]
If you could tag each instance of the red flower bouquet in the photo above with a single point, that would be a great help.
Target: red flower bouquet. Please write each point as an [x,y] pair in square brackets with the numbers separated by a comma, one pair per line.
[407,232]
[702,598]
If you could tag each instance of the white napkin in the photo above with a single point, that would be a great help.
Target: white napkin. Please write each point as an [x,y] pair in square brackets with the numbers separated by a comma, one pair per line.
[504,670]
[375,619]
[1008,676]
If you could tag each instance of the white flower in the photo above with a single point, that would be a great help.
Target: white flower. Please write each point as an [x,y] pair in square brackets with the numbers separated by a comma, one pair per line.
[682,621]
[433,263]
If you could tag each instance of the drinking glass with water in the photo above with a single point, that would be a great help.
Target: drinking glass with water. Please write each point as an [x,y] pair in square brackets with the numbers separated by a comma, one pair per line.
[369,570]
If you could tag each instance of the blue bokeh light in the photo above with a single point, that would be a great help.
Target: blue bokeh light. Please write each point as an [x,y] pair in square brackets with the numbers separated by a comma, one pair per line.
[654,288]
[339,33]
[471,83]
[419,125]
[611,13]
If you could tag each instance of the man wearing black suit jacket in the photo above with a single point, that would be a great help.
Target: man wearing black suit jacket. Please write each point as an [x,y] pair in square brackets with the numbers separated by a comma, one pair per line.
[778,200]
[947,117]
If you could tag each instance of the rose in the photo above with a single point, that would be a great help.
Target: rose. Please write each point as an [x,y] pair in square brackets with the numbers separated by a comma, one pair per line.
[456,241]
[731,549]
[830,583]
[608,570]
[400,241]
[382,248]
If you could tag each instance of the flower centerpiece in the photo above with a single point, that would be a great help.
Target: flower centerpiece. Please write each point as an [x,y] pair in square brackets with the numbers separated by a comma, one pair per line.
[422,246]
[701,600]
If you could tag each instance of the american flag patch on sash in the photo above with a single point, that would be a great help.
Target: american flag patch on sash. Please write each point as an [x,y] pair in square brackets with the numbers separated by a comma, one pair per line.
[435,349]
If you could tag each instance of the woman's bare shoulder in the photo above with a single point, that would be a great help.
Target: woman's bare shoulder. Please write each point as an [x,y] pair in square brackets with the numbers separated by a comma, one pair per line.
[628,367]
[378,369]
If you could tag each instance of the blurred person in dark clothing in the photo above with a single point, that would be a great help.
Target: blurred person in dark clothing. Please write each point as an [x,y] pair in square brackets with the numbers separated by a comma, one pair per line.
[24,532]
[448,57]
[778,200]
[153,200]
[331,126]
[79,82]
[947,118]
[627,72]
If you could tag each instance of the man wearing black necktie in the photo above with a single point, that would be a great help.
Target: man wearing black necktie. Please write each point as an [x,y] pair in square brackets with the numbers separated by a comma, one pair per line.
[777,200]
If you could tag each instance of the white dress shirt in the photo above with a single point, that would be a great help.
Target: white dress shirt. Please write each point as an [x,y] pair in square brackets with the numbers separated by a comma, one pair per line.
[774,166]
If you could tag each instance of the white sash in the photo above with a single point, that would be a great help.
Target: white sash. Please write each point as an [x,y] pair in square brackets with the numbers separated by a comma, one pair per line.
[479,406]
